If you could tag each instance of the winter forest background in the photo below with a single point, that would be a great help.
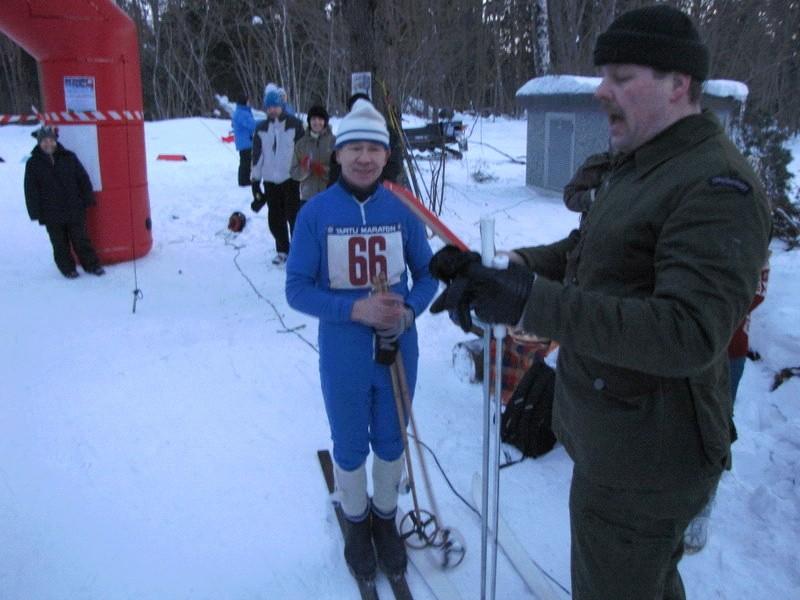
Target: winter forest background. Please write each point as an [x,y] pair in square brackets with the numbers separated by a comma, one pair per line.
[475,54]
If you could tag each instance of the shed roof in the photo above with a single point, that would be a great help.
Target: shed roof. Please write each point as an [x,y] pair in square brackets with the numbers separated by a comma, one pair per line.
[577,84]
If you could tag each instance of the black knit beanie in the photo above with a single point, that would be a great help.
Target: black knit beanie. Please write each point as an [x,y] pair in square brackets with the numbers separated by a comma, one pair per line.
[657,36]
[317,111]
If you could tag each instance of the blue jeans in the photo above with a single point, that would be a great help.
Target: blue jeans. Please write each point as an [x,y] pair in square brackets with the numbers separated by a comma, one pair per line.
[736,368]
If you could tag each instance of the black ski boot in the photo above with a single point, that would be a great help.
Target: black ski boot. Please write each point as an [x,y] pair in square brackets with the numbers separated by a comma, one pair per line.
[358,550]
[391,548]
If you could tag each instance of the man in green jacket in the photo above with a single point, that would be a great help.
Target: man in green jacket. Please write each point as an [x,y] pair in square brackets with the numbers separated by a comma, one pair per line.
[643,299]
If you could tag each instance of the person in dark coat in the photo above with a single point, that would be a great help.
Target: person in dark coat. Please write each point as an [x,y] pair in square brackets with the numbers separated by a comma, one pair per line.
[57,193]
[643,299]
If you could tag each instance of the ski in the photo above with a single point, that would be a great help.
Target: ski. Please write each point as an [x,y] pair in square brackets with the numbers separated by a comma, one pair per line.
[400,588]
[533,576]
[435,224]
[366,588]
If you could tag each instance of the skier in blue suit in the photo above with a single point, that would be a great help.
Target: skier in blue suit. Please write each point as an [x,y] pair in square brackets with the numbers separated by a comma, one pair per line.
[343,237]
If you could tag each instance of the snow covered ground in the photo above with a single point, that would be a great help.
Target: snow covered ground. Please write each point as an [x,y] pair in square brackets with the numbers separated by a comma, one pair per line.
[171,453]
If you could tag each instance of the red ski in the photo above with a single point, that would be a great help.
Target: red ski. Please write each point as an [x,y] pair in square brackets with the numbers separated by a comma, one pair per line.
[435,224]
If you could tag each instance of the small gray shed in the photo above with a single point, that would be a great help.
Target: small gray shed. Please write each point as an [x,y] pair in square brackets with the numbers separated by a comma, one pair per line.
[566,123]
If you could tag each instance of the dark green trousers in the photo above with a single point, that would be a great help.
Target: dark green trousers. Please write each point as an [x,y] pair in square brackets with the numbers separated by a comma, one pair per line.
[626,544]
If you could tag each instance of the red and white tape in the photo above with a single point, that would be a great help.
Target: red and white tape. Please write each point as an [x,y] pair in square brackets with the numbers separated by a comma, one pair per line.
[9,119]
[72,116]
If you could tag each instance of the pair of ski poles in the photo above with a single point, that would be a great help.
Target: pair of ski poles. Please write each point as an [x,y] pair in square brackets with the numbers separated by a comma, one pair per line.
[492,404]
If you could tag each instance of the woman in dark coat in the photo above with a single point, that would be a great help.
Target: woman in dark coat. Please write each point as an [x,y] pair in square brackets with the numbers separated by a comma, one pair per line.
[57,192]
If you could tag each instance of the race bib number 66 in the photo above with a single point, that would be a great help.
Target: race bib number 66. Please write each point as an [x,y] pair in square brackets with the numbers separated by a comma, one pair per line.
[357,254]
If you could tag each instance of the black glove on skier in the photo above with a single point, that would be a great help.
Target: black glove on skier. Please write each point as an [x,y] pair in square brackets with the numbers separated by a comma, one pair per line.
[499,295]
[449,262]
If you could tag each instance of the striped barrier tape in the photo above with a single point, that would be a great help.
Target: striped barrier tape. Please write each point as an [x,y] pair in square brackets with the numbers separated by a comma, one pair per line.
[72,116]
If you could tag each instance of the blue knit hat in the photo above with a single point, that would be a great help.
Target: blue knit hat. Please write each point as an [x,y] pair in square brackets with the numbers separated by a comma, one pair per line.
[273,98]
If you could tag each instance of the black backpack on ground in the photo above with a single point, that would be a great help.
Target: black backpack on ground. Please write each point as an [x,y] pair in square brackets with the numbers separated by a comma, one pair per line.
[526,421]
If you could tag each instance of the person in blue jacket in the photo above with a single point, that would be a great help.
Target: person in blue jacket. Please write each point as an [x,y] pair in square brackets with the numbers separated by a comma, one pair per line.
[243,125]
[343,237]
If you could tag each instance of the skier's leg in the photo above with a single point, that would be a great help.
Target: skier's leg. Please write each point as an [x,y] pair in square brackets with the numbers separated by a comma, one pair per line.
[358,549]
[387,470]
[352,489]
[386,476]
[347,407]
[245,157]
[292,190]
[276,216]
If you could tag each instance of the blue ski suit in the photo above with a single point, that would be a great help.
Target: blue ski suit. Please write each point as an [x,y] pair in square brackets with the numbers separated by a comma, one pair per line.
[339,244]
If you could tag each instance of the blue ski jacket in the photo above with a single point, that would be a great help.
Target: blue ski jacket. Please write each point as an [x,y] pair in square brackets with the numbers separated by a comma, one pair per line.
[338,244]
[243,125]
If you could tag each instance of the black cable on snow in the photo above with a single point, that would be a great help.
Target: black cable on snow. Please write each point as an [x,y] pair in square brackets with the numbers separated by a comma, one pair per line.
[477,512]
[447,479]
[278,315]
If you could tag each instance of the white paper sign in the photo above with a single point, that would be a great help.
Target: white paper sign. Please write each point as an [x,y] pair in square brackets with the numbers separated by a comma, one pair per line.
[361,83]
[79,93]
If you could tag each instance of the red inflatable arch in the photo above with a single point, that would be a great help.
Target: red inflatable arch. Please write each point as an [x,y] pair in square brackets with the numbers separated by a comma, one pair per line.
[88,58]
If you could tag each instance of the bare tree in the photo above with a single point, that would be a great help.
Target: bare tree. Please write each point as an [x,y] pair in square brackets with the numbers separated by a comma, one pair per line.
[459,53]
[541,33]
[18,90]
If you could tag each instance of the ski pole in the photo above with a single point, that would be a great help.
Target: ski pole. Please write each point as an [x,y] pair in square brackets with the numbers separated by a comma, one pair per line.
[490,506]
[451,541]
[379,284]
[448,539]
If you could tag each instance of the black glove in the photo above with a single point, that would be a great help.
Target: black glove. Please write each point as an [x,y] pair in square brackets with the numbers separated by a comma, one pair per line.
[450,262]
[499,295]
[456,299]
[259,200]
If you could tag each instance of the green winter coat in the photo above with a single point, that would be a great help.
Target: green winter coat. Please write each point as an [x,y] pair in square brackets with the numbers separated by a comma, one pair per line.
[644,300]
[317,149]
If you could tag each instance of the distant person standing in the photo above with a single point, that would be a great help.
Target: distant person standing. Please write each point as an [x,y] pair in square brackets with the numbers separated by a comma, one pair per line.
[244,125]
[312,154]
[273,149]
[57,192]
